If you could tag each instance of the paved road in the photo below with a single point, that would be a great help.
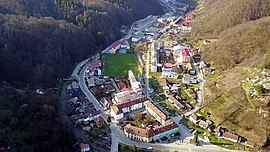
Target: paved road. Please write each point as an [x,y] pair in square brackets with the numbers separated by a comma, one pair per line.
[88,94]
[119,137]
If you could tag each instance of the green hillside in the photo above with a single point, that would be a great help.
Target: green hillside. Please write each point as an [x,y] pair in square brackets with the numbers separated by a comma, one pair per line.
[242,31]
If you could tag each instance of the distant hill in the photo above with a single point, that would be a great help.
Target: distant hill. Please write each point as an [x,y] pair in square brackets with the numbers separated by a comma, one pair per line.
[214,16]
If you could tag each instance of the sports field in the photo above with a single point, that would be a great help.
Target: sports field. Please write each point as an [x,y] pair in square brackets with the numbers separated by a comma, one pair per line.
[115,64]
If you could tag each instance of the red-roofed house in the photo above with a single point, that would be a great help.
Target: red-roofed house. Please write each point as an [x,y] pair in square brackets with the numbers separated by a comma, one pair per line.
[167,65]
[115,46]
[84,147]
[168,72]
[185,56]
[99,121]
[93,66]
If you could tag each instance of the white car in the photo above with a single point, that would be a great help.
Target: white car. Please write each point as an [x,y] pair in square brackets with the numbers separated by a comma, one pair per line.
[149,148]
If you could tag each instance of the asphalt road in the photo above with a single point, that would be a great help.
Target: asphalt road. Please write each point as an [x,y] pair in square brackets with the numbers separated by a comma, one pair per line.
[88,94]
[119,137]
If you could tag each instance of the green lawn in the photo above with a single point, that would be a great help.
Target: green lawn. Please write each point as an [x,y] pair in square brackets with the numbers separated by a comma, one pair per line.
[115,64]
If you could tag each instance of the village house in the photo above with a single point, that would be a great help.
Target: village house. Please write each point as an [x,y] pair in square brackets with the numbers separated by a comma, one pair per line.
[125,45]
[84,147]
[155,112]
[94,68]
[132,132]
[114,47]
[91,81]
[171,99]
[88,115]
[99,121]
[194,118]
[106,102]
[118,110]
[179,105]
[203,124]
[165,86]
[185,57]
[168,129]
[232,137]
[192,93]
[168,72]
[151,134]
[136,38]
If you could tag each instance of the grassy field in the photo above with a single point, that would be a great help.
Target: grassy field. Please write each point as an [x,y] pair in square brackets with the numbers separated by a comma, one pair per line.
[115,65]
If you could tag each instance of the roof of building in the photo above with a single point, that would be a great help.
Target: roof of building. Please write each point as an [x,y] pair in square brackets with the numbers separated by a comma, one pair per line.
[185,52]
[93,65]
[203,123]
[99,121]
[127,96]
[230,136]
[169,125]
[195,117]
[107,102]
[167,65]
[179,104]
[162,115]
[117,108]
[138,131]
[84,146]
[115,44]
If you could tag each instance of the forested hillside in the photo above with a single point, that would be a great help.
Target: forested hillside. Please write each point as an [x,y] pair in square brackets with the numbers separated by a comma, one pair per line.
[29,122]
[36,35]
[40,42]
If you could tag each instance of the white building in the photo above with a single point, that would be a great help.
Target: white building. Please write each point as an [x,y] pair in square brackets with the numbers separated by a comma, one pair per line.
[135,85]
[154,57]
[118,110]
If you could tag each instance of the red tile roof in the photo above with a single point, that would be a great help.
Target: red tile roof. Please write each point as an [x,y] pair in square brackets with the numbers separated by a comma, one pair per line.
[84,146]
[185,52]
[115,44]
[168,126]
[168,65]
[92,66]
